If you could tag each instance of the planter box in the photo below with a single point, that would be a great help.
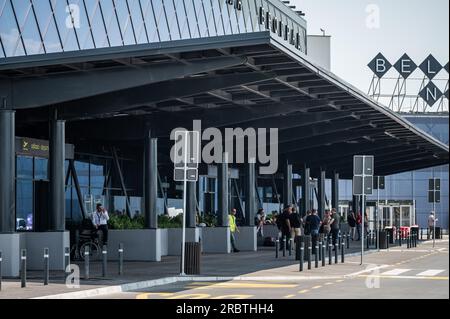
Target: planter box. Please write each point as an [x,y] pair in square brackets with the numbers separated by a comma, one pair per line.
[174,237]
[56,242]
[164,242]
[246,239]
[139,244]
[10,247]
[216,240]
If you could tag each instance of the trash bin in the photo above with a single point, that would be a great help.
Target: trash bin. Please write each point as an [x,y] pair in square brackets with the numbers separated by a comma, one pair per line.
[192,258]
[414,231]
[383,239]
[390,231]
[438,233]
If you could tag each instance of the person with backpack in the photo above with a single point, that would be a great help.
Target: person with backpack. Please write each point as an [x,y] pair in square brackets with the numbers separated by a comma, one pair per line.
[335,226]
[351,220]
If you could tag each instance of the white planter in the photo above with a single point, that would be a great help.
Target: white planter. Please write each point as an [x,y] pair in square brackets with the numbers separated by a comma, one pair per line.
[216,240]
[174,238]
[139,244]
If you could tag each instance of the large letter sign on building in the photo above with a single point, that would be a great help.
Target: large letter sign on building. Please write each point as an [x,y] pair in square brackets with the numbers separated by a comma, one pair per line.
[380,65]
[405,66]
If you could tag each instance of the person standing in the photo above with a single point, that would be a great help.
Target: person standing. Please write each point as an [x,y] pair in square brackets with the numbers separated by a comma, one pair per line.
[233,229]
[358,225]
[285,226]
[351,220]
[431,225]
[314,222]
[326,224]
[260,220]
[335,226]
[296,223]
[100,221]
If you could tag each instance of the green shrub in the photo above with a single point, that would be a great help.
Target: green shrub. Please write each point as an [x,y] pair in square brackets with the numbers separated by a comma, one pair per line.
[125,222]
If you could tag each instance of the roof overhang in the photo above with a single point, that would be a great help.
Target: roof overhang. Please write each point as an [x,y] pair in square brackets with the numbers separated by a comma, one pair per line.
[246,80]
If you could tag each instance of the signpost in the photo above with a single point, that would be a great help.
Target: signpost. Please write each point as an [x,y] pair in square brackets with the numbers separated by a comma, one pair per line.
[434,196]
[186,160]
[378,183]
[362,186]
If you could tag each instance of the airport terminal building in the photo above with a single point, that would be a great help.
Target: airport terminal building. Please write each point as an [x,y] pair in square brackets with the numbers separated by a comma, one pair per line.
[91,90]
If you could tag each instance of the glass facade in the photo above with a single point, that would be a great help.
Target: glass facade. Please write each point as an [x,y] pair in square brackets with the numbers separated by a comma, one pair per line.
[29,27]
[413,186]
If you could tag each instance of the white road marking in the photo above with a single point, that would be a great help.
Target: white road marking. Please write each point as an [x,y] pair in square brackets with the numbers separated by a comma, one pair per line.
[430,272]
[395,272]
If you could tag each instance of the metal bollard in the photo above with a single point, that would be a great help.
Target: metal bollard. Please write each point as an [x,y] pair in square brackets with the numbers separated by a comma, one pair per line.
[1,259]
[343,253]
[348,240]
[367,241]
[330,260]
[309,255]
[339,240]
[316,257]
[323,254]
[86,261]
[120,259]
[319,251]
[302,253]
[400,237]
[388,241]
[46,266]
[23,272]
[336,253]
[104,260]
[277,248]
[421,234]
[284,246]
[290,246]
[66,260]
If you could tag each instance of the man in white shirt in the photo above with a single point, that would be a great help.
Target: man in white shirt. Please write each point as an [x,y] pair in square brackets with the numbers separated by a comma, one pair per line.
[100,220]
[431,225]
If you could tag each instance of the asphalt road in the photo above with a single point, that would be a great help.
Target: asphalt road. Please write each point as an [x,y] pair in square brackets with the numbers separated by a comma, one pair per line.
[398,273]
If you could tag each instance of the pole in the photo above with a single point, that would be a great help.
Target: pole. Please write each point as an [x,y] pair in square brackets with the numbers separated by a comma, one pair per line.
[183,240]
[434,222]
[46,266]
[378,213]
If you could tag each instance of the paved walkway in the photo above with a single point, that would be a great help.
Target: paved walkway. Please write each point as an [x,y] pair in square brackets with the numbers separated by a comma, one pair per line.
[258,263]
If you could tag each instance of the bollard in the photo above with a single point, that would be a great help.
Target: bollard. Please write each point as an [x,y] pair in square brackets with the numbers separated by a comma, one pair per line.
[297,247]
[387,240]
[408,242]
[320,250]
[316,257]
[343,253]
[77,248]
[339,240]
[66,260]
[277,248]
[367,241]
[290,246]
[400,237]
[421,234]
[23,272]
[105,260]
[284,246]
[330,260]
[86,261]
[309,255]
[323,254]
[1,270]
[46,266]
[348,240]
[120,259]
[336,253]
[302,253]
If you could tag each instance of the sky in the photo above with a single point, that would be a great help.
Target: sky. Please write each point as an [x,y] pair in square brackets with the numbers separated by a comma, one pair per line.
[415,27]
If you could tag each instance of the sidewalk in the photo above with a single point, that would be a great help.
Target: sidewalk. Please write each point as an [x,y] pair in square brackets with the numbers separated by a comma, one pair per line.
[258,263]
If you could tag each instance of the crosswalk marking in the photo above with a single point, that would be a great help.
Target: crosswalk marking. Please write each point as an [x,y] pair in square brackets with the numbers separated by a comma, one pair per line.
[395,272]
[430,272]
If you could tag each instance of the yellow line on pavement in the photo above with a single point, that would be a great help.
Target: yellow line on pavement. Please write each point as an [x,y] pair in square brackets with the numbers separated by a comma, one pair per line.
[329,283]
[200,285]
[233,297]
[340,280]
[316,287]
[155,294]
[191,296]
[289,296]
[303,291]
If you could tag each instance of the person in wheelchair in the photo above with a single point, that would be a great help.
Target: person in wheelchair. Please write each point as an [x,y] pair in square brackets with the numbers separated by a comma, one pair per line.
[100,221]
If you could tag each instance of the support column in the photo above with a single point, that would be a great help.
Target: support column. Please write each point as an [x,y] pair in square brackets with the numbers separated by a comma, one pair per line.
[287,185]
[151,182]
[250,194]
[223,191]
[7,171]
[191,205]
[57,220]
[321,193]
[305,189]
[335,191]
